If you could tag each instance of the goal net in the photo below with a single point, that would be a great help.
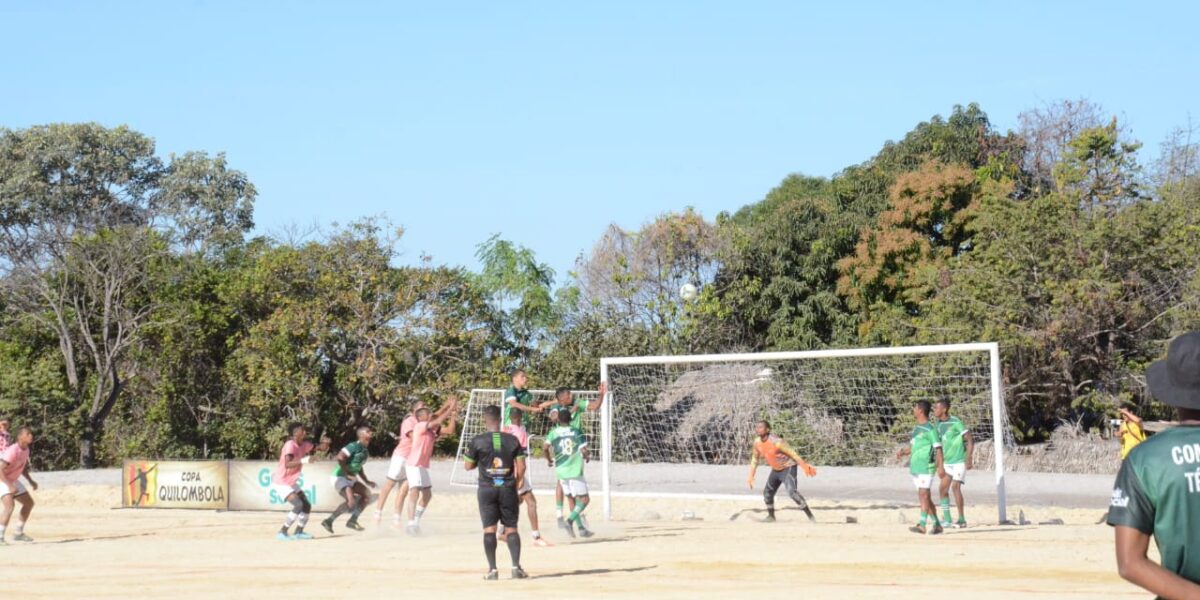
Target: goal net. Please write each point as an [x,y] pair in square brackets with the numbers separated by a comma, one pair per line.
[679,423]
[538,425]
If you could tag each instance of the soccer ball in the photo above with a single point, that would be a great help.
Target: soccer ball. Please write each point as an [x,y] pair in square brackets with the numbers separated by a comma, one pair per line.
[688,292]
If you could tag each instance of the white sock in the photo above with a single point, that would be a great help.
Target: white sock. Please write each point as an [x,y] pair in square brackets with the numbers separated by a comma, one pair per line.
[291,518]
[558,512]
[20,528]
[420,511]
[302,520]
[536,534]
[1,532]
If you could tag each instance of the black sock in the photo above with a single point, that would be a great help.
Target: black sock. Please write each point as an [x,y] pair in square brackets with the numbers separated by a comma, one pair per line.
[283,530]
[514,547]
[770,511]
[489,548]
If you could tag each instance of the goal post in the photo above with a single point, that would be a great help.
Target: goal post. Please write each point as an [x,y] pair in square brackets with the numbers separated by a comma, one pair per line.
[538,425]
[843,407]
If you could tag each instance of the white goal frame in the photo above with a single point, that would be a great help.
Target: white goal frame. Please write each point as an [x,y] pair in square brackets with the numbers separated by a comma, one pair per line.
[999,435]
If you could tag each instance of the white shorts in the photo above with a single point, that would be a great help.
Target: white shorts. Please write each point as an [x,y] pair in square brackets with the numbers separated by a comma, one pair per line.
[957,471]
[525,487]
[284,490]
[396,468]
[418,477]
[15,489]
[923,482]
[341,483]
[574,487]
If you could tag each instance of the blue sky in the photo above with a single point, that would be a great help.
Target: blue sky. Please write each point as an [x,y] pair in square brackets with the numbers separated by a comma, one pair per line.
[545,122]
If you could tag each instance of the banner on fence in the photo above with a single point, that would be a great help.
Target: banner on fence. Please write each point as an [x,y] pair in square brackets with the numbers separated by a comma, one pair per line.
[175,484]
[251,488]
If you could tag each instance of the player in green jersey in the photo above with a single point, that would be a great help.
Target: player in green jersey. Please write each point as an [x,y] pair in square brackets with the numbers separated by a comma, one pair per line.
[565,447]
[926,451]
[1157,492]
[576,407]
[958,448]
[517,397]
[350,481]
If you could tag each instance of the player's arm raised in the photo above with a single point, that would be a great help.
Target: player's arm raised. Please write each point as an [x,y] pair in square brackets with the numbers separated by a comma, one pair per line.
[603,391]
[1134,566]
[791,453]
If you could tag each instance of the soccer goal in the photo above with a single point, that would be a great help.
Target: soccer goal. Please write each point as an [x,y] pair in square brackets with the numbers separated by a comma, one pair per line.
[677,425]
[538,425]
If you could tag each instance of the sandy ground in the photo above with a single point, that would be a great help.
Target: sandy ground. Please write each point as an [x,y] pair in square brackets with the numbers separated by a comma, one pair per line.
[86,548]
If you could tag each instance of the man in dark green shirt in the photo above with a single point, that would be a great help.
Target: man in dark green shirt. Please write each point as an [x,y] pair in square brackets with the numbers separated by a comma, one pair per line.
[516,397]
[1157,492]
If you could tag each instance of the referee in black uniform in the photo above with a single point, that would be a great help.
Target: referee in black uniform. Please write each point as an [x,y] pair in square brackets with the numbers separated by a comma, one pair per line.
[501,462]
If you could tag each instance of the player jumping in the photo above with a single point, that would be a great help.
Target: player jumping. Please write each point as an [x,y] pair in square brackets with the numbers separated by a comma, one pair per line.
[424,435]
[14,462]
[783,461]
[576,407]
[501,462]
[396,474]
[958,448]
[350,481]
[926,451]
[524,487]
[286,481]
[564,448]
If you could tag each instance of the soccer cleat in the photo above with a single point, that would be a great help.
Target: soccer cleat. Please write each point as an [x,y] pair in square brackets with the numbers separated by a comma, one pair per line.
[302,535]
[947,524]
[811,518]
[542,542]
[283,537]
[492,575]
[917,529]
[937,529]
[570,529]
[412,530]
[519,573]
[354,525]
[327,524]
[21,537]
[769,519]
[584,532]
[562,523]
[961,524]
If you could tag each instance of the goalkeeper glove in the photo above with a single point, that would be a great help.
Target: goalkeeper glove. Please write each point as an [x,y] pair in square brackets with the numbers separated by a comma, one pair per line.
[808,469]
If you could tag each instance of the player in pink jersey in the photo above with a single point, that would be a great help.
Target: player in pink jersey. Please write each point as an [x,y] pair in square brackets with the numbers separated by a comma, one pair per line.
[524,488]
[14,462]
[424,435]
[396,475]
[286,481]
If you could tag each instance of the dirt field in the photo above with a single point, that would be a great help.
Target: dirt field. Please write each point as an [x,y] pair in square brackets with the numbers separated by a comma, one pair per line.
[86,549]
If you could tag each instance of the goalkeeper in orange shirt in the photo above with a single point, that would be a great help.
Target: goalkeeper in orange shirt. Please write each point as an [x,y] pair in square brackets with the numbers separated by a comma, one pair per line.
[783,461]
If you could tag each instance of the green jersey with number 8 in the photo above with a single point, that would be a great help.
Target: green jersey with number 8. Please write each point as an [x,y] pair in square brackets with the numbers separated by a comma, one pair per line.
[568,444]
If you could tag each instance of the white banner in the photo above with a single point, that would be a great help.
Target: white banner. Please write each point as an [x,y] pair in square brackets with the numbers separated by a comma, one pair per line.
[250,486]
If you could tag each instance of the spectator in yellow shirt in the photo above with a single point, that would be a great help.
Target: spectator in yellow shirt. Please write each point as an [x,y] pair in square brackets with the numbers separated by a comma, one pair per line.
[1130,433]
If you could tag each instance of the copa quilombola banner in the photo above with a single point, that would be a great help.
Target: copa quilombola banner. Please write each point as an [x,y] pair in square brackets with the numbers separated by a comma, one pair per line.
[175,484]
[251,489]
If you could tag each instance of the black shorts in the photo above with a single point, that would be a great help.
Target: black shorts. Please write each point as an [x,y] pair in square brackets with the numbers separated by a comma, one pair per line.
[498,505]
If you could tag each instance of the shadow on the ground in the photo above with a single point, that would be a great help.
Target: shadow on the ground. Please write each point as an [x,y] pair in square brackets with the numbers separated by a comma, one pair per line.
[99,538]
[593,572]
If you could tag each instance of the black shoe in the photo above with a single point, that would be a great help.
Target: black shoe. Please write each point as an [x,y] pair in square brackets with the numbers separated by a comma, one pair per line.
[492,576]
[811,518]
[519,573]
[937,528]
[769,519]
[917,529]
[570,529]
[327,524]
[354,525]
[584,532]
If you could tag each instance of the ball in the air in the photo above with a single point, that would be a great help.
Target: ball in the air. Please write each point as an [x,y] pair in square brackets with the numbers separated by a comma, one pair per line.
[688,292]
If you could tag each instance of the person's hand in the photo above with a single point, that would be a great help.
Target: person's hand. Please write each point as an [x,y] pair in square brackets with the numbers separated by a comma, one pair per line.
[750,482]
[809,470]
[603,388]
[969,465]
[34,484]
[538,409]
